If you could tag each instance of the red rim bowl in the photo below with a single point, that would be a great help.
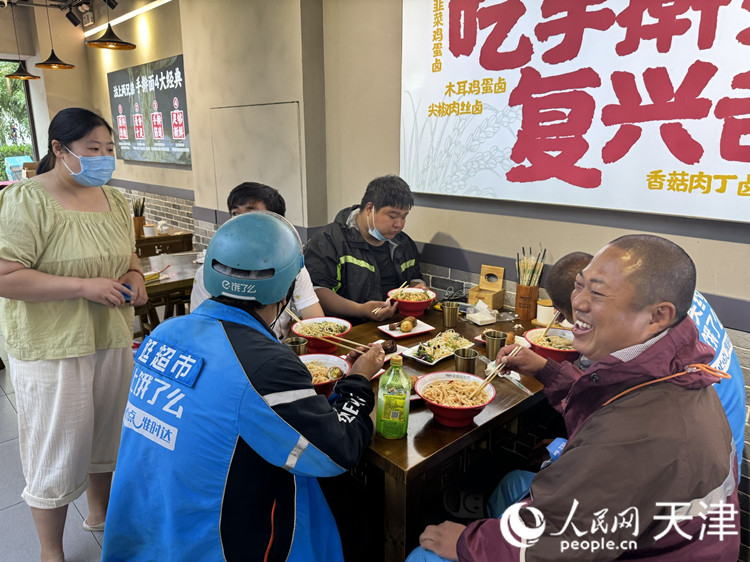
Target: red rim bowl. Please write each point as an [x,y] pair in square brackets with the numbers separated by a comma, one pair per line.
[453,416]
[316,345]
[558,355]
[326,387]
[412,308]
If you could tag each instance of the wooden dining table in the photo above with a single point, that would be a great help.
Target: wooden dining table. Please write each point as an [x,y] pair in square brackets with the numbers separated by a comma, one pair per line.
[432,455]
[171,290]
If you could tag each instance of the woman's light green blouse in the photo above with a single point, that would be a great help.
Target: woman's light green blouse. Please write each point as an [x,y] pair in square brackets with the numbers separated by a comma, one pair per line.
[36,231]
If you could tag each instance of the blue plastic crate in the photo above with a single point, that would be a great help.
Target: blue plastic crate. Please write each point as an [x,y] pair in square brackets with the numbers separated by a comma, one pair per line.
[14,166]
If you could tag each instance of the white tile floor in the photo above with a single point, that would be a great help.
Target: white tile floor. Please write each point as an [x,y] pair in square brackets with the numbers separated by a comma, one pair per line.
[18,541]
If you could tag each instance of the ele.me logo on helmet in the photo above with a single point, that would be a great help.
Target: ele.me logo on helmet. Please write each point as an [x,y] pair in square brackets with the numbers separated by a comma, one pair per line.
[718,519]
[238,288]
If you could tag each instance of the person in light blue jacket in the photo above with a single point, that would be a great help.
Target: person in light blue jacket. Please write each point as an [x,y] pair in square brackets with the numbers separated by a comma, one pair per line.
[224,436]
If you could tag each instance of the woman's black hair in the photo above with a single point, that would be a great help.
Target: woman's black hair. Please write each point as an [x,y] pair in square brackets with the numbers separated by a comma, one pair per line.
[69,125]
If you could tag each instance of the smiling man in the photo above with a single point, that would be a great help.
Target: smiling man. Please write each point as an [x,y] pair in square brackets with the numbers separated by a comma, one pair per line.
[649,469]
[364,253]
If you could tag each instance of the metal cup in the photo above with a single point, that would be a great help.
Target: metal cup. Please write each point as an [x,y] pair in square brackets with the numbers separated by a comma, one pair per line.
[298,344]
[495,340]
[450,314]
[466,360]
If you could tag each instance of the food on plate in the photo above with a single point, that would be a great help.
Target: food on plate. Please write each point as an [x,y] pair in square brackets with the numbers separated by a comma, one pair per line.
[454,393]
[320,328]
[389,346]
[412,296]
[323,373]
[405,325]
[556,342]
[445,343]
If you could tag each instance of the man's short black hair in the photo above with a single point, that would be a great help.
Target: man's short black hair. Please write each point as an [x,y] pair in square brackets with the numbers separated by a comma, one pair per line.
[664,272]
[561,278]
[388,191]
[253,191]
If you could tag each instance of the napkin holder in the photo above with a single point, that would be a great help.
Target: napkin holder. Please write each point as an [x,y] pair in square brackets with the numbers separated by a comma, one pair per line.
[490,289]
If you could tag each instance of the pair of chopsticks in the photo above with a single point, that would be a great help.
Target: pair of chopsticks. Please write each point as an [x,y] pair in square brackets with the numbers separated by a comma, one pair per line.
[322,336]
[554,317]
[494,373]
[158,276]
[379,308]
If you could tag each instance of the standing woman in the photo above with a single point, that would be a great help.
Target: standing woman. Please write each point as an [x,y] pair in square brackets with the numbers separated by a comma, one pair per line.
[67,265]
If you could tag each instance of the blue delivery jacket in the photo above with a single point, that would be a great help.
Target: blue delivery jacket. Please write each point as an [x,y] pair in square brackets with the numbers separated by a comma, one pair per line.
[222,443]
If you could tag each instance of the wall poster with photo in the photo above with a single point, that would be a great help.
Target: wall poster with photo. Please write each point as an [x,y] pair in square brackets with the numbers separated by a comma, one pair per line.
[149,112]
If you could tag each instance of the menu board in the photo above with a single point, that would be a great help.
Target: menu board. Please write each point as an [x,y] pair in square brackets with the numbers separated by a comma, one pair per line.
[149,112]
[610,104]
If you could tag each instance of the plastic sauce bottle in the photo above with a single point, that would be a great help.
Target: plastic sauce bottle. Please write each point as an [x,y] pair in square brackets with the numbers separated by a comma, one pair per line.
[393,401]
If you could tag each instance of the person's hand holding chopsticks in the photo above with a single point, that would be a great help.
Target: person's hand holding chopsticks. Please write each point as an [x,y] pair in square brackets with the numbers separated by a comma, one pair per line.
[377,311]
[524,361]
[368,363]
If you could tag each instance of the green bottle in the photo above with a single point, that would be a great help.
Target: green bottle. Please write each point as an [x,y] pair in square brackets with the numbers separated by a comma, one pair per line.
[393,401]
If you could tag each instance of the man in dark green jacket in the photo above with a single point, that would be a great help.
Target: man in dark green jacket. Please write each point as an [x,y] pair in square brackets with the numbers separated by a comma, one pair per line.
[364,253]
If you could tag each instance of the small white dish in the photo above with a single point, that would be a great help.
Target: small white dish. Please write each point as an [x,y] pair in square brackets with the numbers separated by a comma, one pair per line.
[419,328]
[412,352]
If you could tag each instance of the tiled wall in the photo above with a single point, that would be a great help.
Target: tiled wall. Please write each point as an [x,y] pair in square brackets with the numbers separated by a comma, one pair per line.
[176,211]
[445,280]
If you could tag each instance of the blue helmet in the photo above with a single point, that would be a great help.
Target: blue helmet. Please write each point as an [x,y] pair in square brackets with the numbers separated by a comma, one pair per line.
[253,256]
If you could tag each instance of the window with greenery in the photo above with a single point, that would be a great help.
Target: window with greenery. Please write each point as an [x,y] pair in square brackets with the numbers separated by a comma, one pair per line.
[15,124]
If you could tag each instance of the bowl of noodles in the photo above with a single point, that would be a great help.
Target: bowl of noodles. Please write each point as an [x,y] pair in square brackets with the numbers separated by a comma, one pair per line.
[321,326]
[446,395]
[556,345]
[412,301]
[325,370]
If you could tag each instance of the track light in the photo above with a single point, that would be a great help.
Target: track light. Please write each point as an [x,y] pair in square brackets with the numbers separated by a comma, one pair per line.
[72,18]
[111,3]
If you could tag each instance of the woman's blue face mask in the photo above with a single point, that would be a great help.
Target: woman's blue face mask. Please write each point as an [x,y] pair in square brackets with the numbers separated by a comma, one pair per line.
[95,170]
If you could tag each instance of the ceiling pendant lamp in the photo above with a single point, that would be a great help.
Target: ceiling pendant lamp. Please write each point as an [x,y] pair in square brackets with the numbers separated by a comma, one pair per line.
[109,40]
[21,73]
[52,62]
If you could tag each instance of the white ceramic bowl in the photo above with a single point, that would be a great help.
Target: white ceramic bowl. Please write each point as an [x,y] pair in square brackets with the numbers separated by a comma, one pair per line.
[329,361]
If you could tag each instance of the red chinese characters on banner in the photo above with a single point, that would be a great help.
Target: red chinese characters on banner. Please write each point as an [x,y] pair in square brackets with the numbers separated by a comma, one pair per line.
[729,109]
[575,21]
[668,23]
[178,125]
[465,16]
[157,125]
[744,35]
[556,114]
[668,105]
[122,127]
[138,128]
